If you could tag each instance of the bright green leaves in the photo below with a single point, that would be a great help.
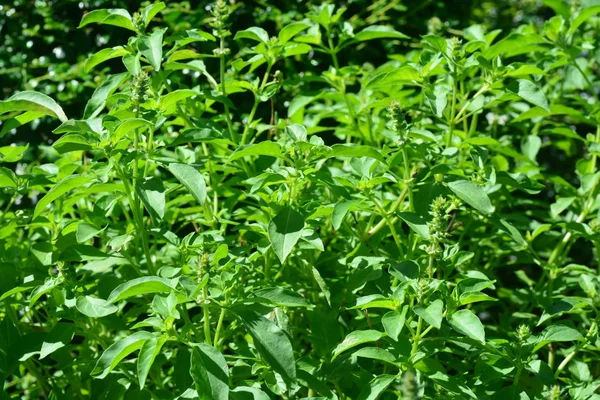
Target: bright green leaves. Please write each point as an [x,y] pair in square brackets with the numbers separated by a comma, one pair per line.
[117,17]
[253,33]
[557,333]
[137,286]
[29,101]
[191,179]
[285,229]
[267,148]
[467,323]
[152,193]
[98,100]
[67,184]
[118,351]
[529,92]
[379,32]
[472,194]
[210,372]
[432,314]
[95,308]
[104,55]
[150,349]
[376,387]
[170,100]
[356,338]
[149,12]
[272,343]
[151,48]
[291,30]
[60,336]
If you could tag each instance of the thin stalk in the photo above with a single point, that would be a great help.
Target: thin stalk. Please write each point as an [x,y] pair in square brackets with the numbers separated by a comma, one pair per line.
[392,210]
[353,121]
[564,363]
[206,311]
[137,216]
[232,134]
[452,112]
[219,327]
[407,178]
[256,103]
[481,91]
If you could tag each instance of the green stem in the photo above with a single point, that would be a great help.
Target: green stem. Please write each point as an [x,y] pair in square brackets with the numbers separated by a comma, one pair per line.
[407,178]
[256,103]
[219,327]
[232,134]
[481,91]
[393,209]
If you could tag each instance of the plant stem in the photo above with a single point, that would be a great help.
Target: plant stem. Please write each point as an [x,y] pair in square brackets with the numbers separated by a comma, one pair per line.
[392,210]
[232,134]
[407,178]
[256,103]
[481,91]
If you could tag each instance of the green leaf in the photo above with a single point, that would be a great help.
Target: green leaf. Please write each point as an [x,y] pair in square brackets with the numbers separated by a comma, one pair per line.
[284,231]
[41,290]
[210,372]
[322,285]
[583,15]
[356,338]
[149,12]
[33,101]
[528,91]
[467,323]
[379,32]
[349,150]
[95,308]
[67,184]
[472,194]
[19,120]
[74,142]
[253,33]
[169,100]
[376,387]
[248,393]
[416,222]
[560,7]
[98,100]
[118,351]
[143,285]
[152,193]
[117,17]
[191,179]
[340,210]
[272,343]
[375,353]
[86,231]
[128,126]
[12,153]
[432,314]
[60,336]
[282,297]
[151,47]
[557,333]
[393,322]
[437,42]
[266,148]
[150,349]
[291,30]
[104,55]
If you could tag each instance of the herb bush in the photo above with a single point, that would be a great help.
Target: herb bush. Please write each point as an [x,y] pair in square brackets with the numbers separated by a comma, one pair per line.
[222,219]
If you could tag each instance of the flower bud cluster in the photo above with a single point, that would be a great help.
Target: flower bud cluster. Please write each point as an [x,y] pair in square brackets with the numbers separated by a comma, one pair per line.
[141,84]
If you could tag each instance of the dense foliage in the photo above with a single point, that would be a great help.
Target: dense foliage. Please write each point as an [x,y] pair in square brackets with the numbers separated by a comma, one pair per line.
[296,200]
